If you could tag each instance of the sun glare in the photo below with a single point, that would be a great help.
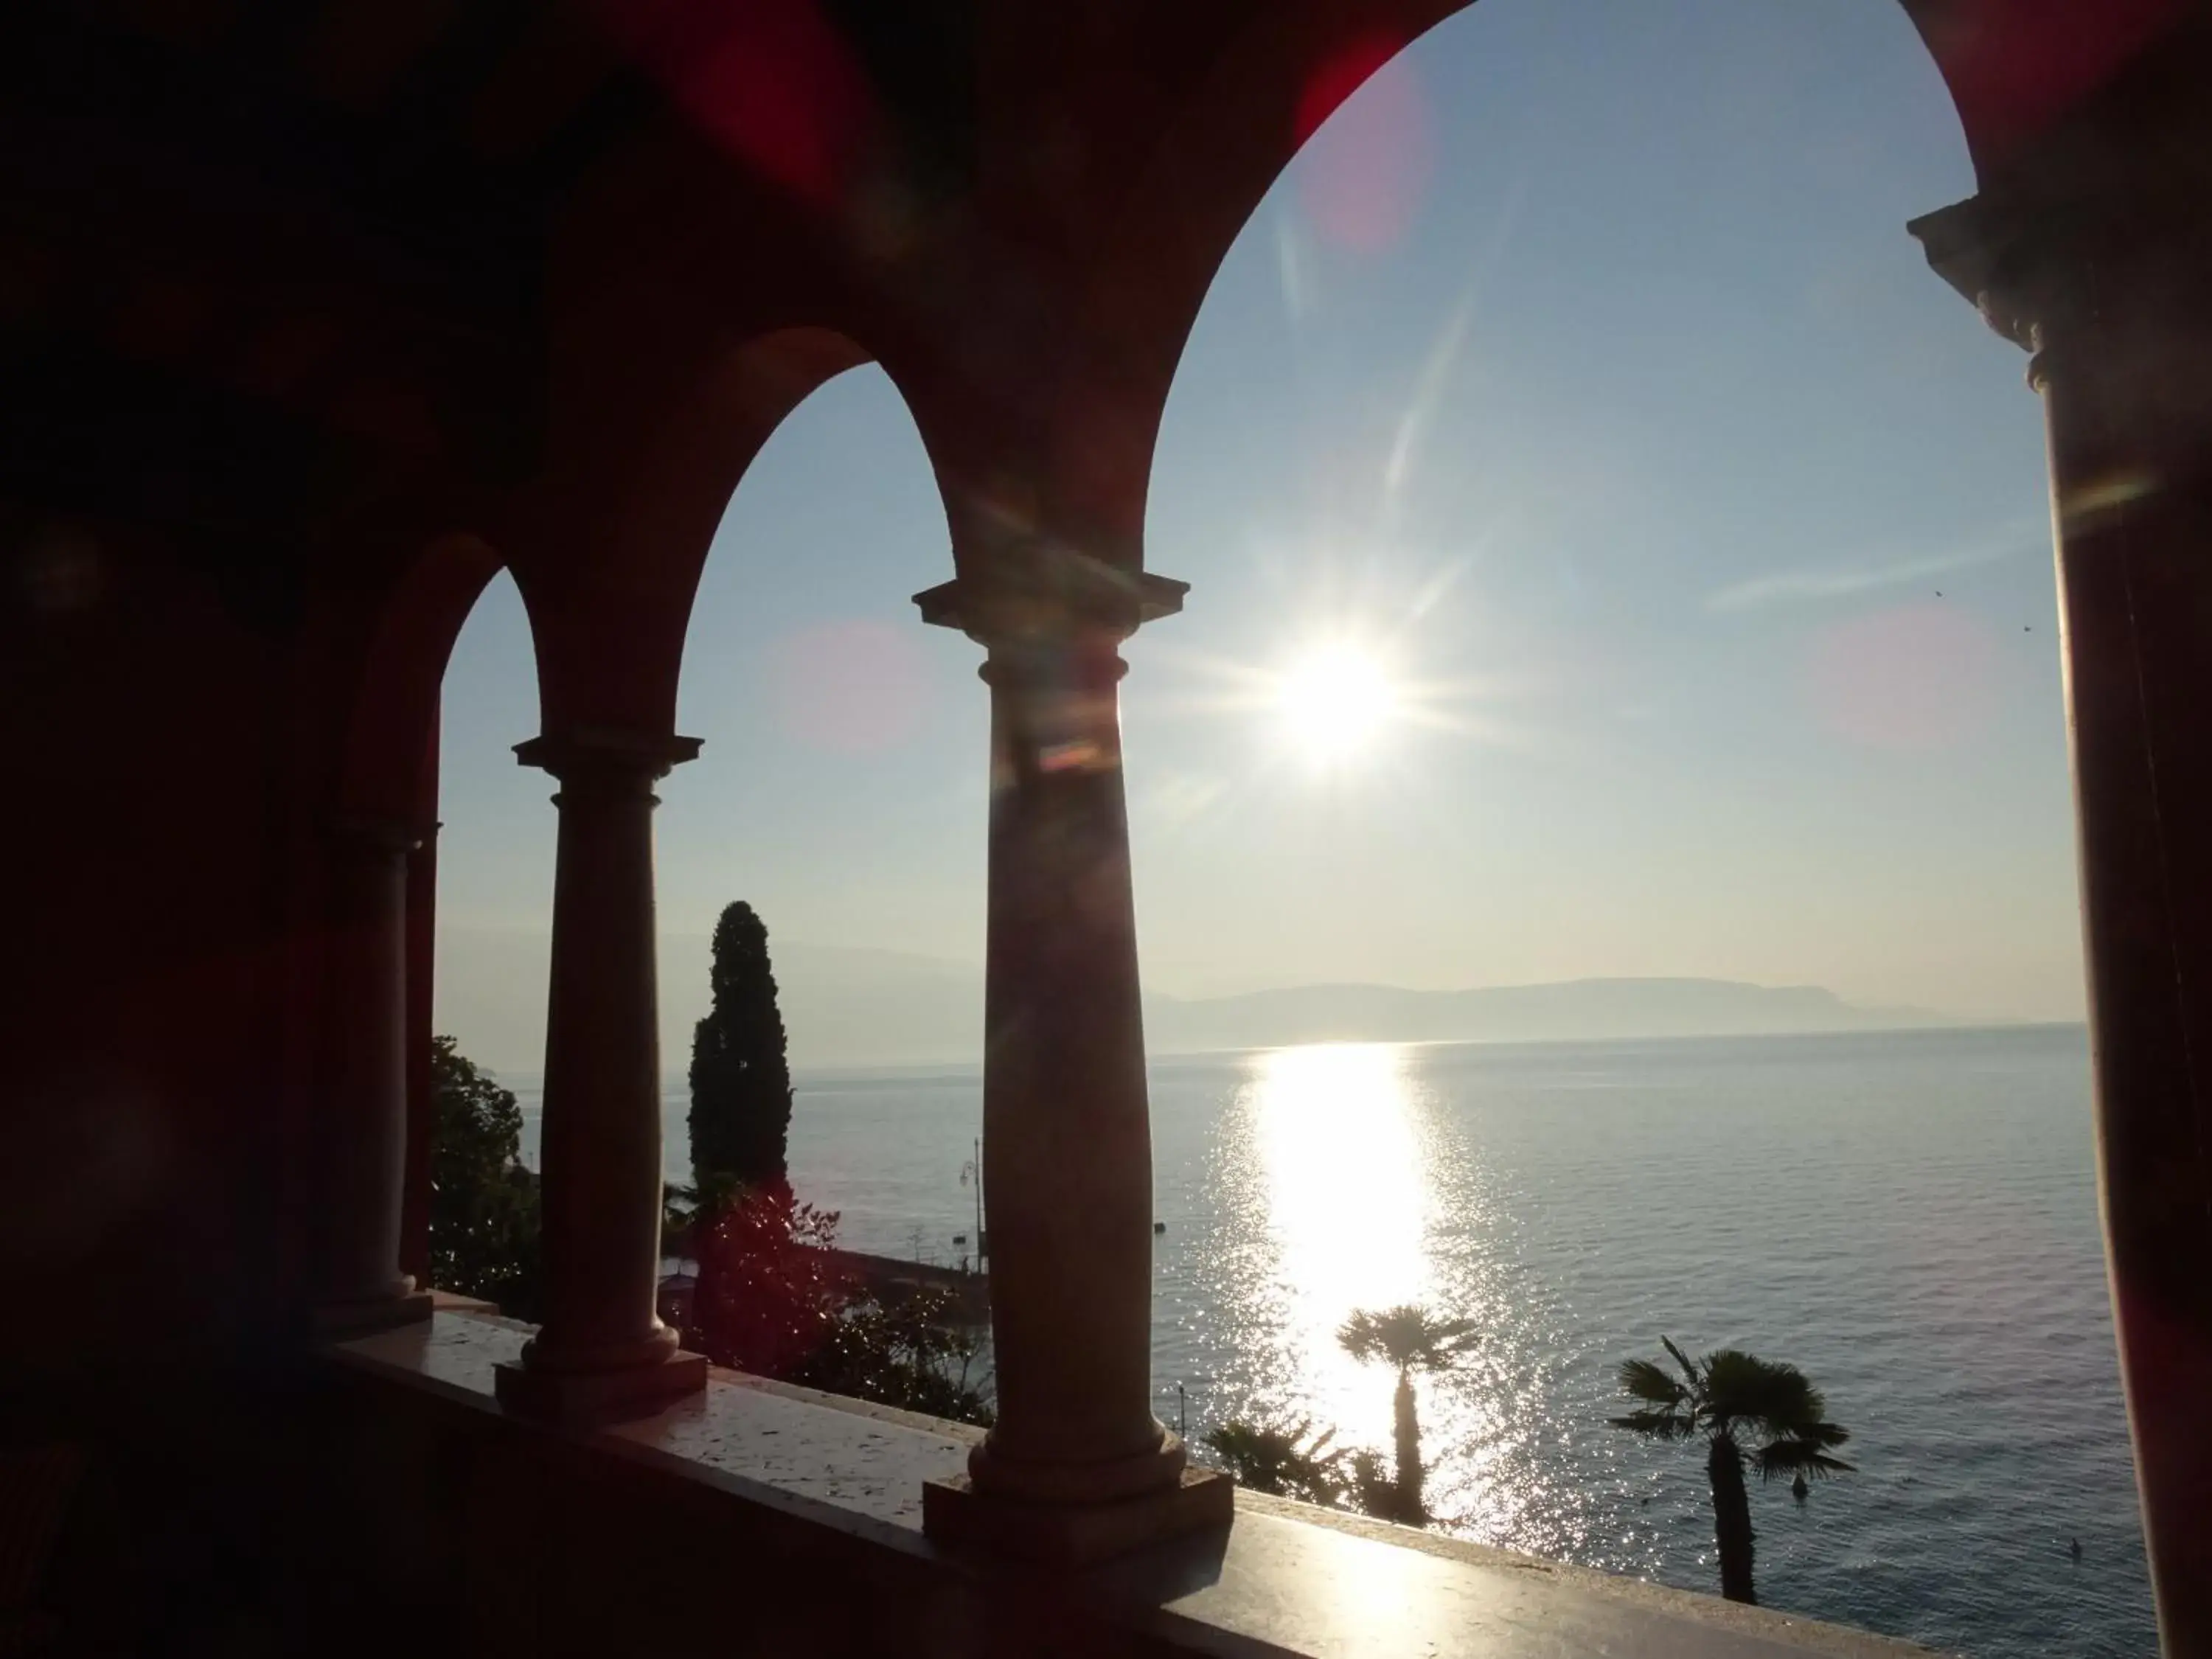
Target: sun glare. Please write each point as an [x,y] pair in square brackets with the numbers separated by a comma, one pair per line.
[1335,701]
[1348,1214]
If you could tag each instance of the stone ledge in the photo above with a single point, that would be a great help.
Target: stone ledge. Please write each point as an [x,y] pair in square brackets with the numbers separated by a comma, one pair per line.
[953,1512]
[587,1399]
[1804,1635]
[343,1320]
[1286,1580]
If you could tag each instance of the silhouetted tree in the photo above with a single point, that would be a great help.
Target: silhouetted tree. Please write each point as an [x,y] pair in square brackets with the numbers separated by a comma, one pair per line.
[1373,1490]
[773,1299]
[740,1081]
[483,1204]
[1735,1398]
[1412,1339]
[769,1291]
[905,1350]
[687,1211]
[1289,1462]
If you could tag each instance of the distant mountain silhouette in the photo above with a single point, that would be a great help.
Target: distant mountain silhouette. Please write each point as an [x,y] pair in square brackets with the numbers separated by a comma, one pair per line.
[849,1007]
[841,1007]
[1586,1009]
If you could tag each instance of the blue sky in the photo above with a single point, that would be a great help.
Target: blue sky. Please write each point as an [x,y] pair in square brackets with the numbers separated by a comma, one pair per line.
[1580,372]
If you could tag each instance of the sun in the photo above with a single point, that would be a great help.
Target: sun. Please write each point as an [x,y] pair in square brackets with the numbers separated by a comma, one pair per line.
[1335,700]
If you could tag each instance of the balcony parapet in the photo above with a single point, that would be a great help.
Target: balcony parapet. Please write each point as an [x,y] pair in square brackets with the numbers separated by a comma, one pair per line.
[831,1489]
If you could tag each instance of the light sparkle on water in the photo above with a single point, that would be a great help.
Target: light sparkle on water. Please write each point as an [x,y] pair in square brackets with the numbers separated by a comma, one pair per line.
[1343,1178]
[1911,1217]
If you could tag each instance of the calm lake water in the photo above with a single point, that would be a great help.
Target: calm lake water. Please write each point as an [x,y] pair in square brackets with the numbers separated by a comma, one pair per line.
[1910,1217]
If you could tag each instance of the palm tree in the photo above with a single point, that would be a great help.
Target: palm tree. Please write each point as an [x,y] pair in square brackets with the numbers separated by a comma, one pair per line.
[1412,1339]
[1288,1462]
[1737,1400]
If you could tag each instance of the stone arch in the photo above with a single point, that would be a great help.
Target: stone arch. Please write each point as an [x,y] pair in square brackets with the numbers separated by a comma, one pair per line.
[838,355]
[614,566]
[390,768]
[2011,72]
[759,387]
[385,792]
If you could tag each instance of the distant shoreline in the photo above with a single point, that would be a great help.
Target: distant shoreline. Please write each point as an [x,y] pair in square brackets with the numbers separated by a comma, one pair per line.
[894,1071]
[849,1009]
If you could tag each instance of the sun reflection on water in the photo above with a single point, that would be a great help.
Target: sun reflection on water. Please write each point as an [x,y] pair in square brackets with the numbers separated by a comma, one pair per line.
[1361,1196]
[1349,1208]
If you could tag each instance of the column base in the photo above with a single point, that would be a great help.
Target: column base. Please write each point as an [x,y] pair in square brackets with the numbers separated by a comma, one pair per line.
[341,1321]
[1075,1534]
[593,1398]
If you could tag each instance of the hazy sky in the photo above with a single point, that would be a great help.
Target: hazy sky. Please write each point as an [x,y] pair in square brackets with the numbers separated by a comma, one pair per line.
[1580,370]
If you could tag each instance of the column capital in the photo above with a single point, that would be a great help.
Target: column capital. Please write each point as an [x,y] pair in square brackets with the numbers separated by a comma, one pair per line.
[2101,272]
[598,751]
[1051,598]
[2100,223]
[2031,264]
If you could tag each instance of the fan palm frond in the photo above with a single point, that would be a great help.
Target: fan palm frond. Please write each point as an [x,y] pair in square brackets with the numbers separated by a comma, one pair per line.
[1408,1336]
[1659,1425]
[1682,1359]
[1774,1400]
[1796,1457]
[1288,1460]
[1647,1381]
[1745,1407]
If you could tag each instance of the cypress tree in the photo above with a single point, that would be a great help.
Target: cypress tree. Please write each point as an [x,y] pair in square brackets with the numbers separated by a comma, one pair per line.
[740,1083]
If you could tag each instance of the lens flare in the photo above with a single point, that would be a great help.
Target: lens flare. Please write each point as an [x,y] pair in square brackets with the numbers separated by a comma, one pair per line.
[1925,677]
[1363,176]
[856,687]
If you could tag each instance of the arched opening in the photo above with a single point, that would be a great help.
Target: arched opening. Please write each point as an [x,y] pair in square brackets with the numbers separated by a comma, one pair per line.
[1613,564]
[839,793]
[843,771]
[490,882]
[378,1077]
[495,847]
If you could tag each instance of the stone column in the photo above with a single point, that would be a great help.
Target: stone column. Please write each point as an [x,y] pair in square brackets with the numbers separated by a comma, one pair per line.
[603,1352]
[1076,1466]
[421,1003]
[360,1134]
[2108,284]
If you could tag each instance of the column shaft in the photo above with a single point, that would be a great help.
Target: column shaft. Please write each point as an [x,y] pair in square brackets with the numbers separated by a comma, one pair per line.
[2134,523]
[422,1104]
[361,1135]
[2094,259]
[1076,1466]
[600,1155]
[1067,1127]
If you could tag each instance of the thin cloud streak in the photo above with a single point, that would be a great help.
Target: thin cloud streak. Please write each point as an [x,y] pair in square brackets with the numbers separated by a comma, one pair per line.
[1790,586]
[1428,391]
[1443,359]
